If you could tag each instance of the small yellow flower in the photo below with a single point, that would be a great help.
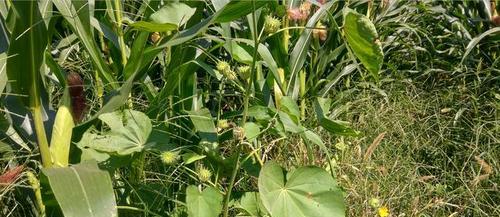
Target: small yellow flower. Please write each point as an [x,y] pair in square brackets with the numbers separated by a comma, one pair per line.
[383,211]
[223,124]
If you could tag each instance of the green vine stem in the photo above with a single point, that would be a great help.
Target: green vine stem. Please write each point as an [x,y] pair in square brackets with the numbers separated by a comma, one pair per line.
[121,42]
[256,39]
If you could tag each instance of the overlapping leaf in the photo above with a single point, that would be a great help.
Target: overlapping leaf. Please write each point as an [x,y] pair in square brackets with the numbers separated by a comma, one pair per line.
[129,132]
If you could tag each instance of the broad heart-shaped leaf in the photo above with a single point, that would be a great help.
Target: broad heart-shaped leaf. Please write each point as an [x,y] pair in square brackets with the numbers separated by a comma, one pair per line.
[252,130]
[129,132]
[207,203]
[304,192]
[81,190]
[362,37]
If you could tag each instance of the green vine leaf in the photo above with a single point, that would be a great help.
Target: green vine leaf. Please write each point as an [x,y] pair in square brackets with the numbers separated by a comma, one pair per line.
[362,38]
[304,192]
[129,132]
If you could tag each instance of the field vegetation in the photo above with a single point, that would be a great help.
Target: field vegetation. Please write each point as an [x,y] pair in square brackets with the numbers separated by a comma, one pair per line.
[278,108]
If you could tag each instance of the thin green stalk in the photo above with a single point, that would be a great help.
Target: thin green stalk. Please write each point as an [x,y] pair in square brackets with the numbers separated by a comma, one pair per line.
[302,90]
[121,41]
[252,72]
[286,34]
[231,183]
[245,113]
[221,88]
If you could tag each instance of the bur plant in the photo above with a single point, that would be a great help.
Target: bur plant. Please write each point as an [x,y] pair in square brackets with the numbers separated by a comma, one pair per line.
[130,128]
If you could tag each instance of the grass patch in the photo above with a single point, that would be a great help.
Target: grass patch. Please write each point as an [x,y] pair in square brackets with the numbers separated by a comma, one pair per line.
[438,157]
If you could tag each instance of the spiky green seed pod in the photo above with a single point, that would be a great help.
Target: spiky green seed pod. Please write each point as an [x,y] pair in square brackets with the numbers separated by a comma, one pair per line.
[271,24]
[204,174]
[244,72]
[225,69]
[223,66]
[169,157]
[230,75]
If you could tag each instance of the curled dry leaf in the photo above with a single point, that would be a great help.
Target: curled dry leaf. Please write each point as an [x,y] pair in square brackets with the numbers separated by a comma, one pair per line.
[373,146]
[485,167]
[480,178]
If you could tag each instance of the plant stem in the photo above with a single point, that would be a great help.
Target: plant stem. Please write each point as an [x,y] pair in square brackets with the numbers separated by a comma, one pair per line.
[252,72]
[118,15]
[245,112]
[232,181]
[43,143]
[302,89]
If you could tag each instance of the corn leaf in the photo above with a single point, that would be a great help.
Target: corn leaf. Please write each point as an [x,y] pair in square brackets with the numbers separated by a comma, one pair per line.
[81,190]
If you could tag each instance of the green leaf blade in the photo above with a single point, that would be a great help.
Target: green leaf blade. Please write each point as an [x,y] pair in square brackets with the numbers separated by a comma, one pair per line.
[82,190]
[362,37]
[27,45]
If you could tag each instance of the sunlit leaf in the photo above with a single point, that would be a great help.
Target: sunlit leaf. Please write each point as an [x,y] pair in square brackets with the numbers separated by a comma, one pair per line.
[206,203]
[129,132]
[81,190]
[362,38]
[173,13]
[321,108]
[306,191]
[252,130]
